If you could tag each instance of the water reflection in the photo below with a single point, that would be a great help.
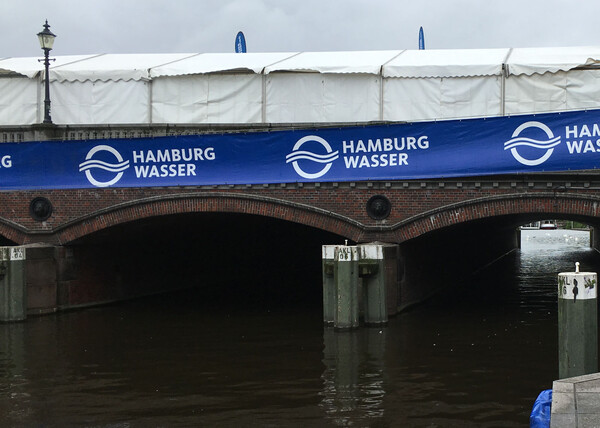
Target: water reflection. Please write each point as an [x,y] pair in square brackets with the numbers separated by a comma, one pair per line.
[476,356]
[353,380]
[550,251]
[14,388]
[554,241]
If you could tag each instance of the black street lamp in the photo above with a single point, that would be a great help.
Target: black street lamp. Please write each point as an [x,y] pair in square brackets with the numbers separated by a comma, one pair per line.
[46,38]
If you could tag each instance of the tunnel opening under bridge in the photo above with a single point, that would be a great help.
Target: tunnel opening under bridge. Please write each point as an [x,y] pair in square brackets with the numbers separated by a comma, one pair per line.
[445,260]
[230,260]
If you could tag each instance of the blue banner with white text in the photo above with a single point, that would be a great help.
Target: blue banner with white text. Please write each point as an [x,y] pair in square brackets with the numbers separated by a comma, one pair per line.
[454,148]
[240,43]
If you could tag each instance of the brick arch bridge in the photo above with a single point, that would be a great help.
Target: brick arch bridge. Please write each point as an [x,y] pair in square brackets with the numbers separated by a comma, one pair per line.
[451,225]
[437,223]
[416,208]
[518,209]
[515,209]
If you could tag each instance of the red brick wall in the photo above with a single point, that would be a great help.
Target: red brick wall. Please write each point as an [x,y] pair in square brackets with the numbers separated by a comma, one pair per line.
[417,208]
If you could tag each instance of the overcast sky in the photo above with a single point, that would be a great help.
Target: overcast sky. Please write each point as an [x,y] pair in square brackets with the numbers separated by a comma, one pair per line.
[190,26]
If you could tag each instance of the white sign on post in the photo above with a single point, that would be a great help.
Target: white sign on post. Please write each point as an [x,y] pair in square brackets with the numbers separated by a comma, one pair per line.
[577,285]
[17,253]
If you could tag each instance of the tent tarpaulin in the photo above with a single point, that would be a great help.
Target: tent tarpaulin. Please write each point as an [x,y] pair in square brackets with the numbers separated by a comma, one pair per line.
[369,62]
[32,67]
[551,60]
[218,63]
[112,67]
[446,63]
[212,98]
[315,97]
[292,87]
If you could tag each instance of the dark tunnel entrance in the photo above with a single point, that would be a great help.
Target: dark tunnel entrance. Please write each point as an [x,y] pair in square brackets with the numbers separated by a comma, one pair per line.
[228,259]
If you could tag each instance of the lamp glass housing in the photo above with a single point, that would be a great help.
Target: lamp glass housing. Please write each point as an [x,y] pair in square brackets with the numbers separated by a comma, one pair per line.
[46,38]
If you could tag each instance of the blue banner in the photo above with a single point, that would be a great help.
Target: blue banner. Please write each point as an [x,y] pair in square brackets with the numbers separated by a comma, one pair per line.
[454,148]
[421,39]
[240,43]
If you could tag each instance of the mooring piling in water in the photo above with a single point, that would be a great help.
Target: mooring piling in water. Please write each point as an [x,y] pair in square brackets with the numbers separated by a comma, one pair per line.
[345,274]
[358,280]
[577,323]
[328,261]
[13,290]
[372,271]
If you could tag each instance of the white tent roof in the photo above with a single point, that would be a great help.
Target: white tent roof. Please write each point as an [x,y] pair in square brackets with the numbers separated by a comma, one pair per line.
[447,63]
[113,67]
[402,64]
[30,67]
[219,62]
[541,60]
[335,62]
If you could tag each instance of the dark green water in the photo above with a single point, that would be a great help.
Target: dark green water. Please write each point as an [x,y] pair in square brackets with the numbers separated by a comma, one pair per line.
[476,356]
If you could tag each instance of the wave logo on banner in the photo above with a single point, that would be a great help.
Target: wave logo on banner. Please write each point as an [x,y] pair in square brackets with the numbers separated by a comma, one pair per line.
[305,155]
[546,147]
[116,168]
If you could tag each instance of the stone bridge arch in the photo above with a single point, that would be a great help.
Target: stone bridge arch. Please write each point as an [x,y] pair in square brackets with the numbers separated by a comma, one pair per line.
[515,208]
[210,203]
[447,244]
[518,209]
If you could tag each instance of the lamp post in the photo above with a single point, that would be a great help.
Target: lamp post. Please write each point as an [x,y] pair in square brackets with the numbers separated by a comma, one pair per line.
[46,38]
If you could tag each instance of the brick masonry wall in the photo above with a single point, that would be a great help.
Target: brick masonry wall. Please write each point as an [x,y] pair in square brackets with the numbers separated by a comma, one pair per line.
[417,207]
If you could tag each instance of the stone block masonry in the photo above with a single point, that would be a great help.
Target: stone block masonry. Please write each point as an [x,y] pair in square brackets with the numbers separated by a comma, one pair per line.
[576,402]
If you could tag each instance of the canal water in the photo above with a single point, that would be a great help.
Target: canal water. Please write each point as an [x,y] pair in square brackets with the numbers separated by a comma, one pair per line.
[475,356]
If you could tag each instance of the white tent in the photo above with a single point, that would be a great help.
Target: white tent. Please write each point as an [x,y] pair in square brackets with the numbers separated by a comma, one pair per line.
[326,87]
[552,79]
[307,87]
[21,90]
[211,88]
[440,84]
[105,89]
